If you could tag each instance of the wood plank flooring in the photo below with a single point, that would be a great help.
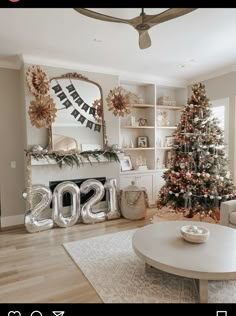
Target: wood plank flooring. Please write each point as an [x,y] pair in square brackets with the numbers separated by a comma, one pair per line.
[35,268]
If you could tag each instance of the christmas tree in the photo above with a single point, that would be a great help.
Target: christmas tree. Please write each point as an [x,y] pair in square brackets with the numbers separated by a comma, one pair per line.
[198,179]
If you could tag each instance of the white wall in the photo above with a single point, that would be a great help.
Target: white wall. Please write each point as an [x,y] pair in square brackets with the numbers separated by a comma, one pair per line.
[12,145]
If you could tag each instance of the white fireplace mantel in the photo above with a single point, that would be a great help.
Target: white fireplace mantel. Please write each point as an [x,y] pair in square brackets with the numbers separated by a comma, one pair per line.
[48,161]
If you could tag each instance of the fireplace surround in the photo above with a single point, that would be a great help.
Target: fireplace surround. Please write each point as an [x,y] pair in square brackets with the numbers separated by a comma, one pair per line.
[83,197]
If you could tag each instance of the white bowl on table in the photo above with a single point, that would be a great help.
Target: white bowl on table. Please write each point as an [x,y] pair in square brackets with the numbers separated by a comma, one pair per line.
[195,234]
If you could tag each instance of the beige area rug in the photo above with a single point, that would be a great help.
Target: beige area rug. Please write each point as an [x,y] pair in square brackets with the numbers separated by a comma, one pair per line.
[119,276]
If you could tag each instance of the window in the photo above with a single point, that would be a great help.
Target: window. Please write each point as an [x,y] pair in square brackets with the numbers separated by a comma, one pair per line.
[220,110]
[219,113]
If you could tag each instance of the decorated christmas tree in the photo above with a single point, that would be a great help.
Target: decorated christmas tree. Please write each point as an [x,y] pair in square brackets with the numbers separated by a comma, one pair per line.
[198,179]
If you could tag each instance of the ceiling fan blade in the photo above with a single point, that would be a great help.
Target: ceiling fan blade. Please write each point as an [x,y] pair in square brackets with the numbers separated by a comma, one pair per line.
[144,40]
[99,16]
[167,15]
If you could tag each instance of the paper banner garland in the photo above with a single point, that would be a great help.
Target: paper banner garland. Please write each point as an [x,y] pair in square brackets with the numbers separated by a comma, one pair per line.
[85,107]
[67,103]
[92,111]
[75,113]
[75,95]
[70,88]
[97,128]
[89,124]
[95,110]
[57,88]
[79,101]
[81,119]
[61,96]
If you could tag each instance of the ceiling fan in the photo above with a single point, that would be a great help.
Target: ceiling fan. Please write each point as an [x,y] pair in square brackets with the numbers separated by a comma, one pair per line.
[141,23]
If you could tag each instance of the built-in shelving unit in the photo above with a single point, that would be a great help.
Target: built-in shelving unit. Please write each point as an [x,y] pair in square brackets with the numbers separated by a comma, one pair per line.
[139,148]
[166,127]
[156,154]
[141,106]
[169,107]
[137,127]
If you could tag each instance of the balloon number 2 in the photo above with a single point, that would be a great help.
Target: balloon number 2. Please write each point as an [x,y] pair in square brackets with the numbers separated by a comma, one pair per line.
[34,223]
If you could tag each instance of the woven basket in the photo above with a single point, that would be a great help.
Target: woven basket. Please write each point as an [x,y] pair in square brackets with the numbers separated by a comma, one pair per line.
[133,202]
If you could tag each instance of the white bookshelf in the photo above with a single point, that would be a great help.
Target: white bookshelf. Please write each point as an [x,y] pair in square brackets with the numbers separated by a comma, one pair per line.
[155,153]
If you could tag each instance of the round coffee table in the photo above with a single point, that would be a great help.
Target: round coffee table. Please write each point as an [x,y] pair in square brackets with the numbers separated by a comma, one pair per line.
[162,247]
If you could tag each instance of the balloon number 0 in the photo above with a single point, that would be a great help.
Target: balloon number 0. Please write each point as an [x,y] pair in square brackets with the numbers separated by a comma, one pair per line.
[33,223]
[57,204]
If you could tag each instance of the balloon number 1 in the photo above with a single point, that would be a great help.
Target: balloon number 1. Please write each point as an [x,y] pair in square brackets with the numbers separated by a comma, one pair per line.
[113,208]
[33,223]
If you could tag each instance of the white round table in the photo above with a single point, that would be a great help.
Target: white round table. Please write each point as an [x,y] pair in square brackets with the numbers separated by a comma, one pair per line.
[162,247]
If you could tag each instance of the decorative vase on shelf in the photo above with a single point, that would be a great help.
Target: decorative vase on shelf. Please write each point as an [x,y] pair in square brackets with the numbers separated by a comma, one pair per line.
[158,164]
[124,143]
[131,144]
[132,121]
[165,121]
[141,163]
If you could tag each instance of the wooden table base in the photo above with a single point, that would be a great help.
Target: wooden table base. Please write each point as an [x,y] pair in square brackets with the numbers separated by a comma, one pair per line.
[202,286]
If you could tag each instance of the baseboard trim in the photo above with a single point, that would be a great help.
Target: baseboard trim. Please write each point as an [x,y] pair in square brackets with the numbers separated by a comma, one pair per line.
[14,220]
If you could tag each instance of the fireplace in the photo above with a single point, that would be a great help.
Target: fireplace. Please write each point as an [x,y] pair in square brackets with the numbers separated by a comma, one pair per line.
[83,197]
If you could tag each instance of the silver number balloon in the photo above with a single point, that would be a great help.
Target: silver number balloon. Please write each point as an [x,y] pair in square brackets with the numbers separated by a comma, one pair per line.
[88,216]
[32,222]
[113,208]
[57,201]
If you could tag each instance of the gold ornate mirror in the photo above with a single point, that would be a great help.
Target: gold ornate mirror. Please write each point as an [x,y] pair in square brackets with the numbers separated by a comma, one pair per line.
[79,124]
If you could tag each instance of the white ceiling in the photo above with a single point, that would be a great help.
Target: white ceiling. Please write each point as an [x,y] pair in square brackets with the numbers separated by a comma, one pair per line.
[203,41]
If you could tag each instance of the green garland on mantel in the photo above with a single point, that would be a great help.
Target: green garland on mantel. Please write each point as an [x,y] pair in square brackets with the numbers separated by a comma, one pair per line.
[73,158]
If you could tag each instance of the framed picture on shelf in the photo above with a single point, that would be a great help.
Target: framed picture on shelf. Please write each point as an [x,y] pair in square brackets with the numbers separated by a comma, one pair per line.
[126,164]
[142,122]
[143,141]
[162,118]
[170,141]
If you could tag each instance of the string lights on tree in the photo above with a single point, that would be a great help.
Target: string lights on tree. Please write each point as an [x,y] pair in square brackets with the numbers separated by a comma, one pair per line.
[198,179]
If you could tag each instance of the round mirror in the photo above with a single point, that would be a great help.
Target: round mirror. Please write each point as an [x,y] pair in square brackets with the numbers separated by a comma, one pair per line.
[79,124]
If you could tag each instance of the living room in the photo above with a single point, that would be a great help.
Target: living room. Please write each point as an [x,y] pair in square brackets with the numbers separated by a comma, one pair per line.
[134,89]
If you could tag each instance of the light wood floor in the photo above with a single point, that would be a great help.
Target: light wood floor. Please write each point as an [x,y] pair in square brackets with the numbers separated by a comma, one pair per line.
[35,268]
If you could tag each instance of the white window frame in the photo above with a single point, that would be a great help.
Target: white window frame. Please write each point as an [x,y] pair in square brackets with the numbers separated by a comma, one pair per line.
[225,103]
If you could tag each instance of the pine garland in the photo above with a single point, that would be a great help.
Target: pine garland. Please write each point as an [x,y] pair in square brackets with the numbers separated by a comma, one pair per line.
[73,158]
